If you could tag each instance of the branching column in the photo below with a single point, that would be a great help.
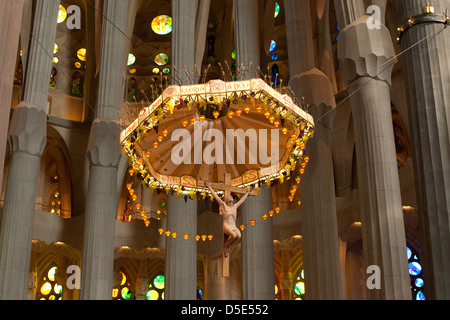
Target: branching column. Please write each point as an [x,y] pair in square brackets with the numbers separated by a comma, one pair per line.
[104,155]
[27,139]
[366,59]
[317,190]
[427,77]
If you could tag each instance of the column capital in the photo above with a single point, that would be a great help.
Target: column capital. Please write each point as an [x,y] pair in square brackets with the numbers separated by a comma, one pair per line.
[104,147]
[364,52]
[28,130]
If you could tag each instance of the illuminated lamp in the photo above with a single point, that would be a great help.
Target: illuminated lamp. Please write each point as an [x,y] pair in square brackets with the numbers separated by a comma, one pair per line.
[252,222]
[267,115]
[197,237]
[259,109]
[247,109]
[131,171]
[277,210]
[193,120]
[185,123]
[302,171]
[160,230]
[306,159]
[185,236]
[291,198]
[147,154]
[242,227]
[165,132]
[230,114]
[147,223]
[202,118]
[155,144]
[298,179]
[264,216]
[216,114]
[129,186]
[239,112]
[174,235]
[134,197]
[160,138]
[210,237]
[131,191]
[168,233]
[138,206]
[277,123]
[284,130]
[203,237]
[271,212]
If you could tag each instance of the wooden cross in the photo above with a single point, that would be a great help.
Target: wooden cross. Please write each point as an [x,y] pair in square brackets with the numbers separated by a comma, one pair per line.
[228,189]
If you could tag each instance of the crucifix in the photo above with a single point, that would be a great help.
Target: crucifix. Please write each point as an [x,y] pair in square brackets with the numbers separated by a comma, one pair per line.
[228,210]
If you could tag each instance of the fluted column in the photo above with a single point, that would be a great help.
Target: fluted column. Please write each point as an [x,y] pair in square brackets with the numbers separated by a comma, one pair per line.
[10,23]
[27,139]
[181,254]
[427,77]
[258,272]
[366,59]
[317,189]
[104,155]
[184,16]
[246,34]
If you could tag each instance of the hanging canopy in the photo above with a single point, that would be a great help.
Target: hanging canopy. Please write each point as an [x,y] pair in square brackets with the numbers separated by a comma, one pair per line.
[194,133]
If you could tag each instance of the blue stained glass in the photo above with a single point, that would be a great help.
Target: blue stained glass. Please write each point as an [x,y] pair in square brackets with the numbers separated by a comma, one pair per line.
[273,46]
[414,268]
[275,57]
[418,282]
[420,296]
[408,253]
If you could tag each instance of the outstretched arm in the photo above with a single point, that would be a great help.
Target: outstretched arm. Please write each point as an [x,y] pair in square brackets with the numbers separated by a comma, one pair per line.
[240,202]
[220,201]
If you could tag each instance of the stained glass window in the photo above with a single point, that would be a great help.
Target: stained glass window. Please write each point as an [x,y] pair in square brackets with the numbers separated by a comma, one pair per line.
[299,286]
[156,288]
[277,9]
[273,46]
[161,59]
[131,59]
[62,14]
[123,291]
[416,274]
[155,70]
[81,54]
[162,25]
[49,289]
[166,70]
[55,48]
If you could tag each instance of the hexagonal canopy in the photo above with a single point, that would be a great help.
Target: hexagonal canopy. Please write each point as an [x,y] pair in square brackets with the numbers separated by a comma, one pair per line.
[195,133]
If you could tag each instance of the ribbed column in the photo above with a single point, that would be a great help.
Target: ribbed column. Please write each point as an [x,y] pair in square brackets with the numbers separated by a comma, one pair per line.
[286,275]
[427,77]
[317,190]
[104,155]
[364,56]
[215,284]
[181,254]
[246,35]
[184,16]
[27,139]
[258,275]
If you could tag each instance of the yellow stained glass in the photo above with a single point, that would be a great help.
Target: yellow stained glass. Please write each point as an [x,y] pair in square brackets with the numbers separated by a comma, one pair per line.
[152,295]
[155,70]
[133,70]
[55,60]
[55,49]
[62,14]
[81,54]
[124,278]
[46,288]
[77,65]
[162,25]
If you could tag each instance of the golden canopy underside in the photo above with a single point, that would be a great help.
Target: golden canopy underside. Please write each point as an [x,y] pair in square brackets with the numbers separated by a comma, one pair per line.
[161,158]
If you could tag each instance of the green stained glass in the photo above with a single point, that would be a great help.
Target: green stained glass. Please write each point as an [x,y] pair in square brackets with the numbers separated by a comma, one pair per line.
[159,282]
[277,9]
[125,293]
[161,59]
[131,59]
[299,288]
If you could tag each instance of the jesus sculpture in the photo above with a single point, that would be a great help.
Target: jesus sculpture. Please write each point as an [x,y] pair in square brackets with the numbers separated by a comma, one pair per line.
[229,214]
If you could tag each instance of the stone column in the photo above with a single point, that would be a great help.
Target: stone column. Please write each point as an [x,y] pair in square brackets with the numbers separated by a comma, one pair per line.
[184,16]
[366,59]
[27,139]
[10,23]
[427,77]
[215,284]
[104,155]
[181,254]
[258,272]
[246,35]
[317,189]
